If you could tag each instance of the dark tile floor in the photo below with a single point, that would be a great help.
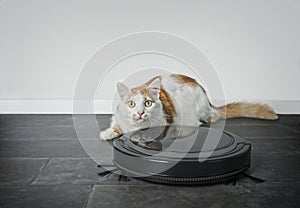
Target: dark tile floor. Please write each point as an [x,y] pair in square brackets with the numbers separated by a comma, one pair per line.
[42,164]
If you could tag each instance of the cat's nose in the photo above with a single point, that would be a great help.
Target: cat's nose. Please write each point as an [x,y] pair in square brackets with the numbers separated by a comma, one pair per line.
[140,113]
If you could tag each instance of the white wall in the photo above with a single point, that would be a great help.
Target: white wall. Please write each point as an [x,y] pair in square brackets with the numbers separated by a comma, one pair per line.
[254,46]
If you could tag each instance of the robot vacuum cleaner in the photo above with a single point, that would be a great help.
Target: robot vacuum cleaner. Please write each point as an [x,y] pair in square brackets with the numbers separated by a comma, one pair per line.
[182,155]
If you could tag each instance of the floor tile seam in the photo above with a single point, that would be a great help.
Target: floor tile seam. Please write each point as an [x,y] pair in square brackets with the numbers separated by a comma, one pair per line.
[43,139]
[41,158]
[25,158]
[270,137]
[36,185]
[273,138]
[250,125]
[288,127]
[89,197]
[39,172]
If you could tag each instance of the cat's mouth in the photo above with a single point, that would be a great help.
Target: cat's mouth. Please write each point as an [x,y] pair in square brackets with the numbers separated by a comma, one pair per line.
[139,119]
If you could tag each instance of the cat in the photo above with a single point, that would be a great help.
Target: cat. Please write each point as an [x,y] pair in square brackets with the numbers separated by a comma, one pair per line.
[173,99]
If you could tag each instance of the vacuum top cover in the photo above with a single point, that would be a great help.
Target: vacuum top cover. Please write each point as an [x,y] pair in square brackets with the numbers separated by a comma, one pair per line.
[181,154]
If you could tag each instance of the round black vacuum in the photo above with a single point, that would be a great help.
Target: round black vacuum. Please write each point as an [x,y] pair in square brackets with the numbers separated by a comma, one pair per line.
[182,155]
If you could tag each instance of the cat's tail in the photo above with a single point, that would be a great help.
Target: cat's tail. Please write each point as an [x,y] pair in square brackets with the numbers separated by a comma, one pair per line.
[243,109]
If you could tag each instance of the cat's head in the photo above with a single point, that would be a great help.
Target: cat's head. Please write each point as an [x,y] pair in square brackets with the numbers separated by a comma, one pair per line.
[140,104]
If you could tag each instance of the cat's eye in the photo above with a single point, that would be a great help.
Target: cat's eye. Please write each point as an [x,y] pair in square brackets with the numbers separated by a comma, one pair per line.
[131,104]
[148,103]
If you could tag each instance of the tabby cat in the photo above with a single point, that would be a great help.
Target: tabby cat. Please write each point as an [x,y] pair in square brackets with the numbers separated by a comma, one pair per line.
[173,99]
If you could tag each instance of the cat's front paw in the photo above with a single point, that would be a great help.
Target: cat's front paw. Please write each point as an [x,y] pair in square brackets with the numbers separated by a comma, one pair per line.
[108,134]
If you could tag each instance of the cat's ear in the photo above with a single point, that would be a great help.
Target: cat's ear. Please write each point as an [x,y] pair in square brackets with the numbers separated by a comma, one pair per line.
[154,88]
[123,90]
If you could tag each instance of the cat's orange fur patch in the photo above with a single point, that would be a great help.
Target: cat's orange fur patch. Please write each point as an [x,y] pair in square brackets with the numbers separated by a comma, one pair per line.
[166,129]
[168,105]
[183,79]
[117,129]
[244,109]
[143,88]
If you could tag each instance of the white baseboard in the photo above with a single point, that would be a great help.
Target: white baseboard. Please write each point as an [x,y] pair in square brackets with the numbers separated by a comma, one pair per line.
[105,106]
